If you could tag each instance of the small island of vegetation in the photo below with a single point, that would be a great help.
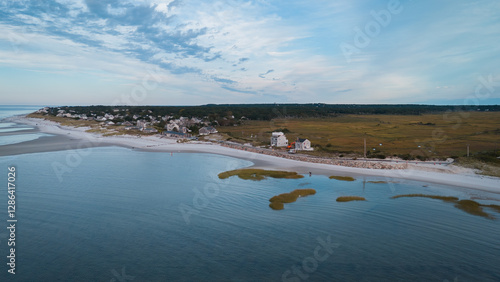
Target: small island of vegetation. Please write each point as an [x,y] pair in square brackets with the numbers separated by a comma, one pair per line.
[342,178]
[436,197]
[350,198]
[259,174]
[468,206]
[277,202]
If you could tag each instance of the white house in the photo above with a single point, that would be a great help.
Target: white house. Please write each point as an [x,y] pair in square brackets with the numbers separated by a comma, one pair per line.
[278,139]
[303,145]
[207,130]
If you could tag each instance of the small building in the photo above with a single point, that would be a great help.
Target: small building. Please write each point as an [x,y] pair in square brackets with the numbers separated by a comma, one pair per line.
[127,123]
[207,130]
[303,145]
[132,128]
[175,134]
[149,130]
[278,139]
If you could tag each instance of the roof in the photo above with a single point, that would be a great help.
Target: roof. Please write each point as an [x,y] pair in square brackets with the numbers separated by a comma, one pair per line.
[175,133]
[301,139]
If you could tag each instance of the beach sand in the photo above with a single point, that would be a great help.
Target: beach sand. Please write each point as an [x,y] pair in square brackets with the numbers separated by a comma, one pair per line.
[67,138]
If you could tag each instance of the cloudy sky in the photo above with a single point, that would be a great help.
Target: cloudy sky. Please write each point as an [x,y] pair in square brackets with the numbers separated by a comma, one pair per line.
[190,52]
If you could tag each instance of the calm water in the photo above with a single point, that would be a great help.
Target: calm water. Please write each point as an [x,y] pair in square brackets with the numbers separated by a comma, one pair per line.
[119,210]
[12,133]
[113,214]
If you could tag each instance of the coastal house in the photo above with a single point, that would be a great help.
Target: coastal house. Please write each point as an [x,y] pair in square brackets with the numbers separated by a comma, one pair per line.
[132,128]
[149,130]
[127,123]
[172,127]
[207,130]
[278,139]
[175,134]
[142,124]
[303,145]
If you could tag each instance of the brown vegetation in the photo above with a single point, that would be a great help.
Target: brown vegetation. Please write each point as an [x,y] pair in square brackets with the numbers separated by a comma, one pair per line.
[277,202]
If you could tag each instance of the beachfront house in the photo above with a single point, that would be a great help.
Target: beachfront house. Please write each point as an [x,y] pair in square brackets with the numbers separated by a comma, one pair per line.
[149,130]
[175,134]
[207,130]
[303,145]
[278,139]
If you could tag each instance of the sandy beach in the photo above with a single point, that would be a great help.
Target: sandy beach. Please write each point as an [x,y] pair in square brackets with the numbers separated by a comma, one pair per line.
[66,138]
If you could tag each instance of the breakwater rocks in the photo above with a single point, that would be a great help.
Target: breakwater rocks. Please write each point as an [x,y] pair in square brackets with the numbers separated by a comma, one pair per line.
[312,159]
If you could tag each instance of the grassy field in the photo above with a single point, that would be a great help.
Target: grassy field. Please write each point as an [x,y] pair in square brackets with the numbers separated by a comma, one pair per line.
[438,135]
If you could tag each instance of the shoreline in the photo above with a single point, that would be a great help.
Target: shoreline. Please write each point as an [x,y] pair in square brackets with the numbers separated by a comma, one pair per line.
[67,138]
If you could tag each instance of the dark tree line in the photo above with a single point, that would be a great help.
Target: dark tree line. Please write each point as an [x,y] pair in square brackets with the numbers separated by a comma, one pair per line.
[271,111]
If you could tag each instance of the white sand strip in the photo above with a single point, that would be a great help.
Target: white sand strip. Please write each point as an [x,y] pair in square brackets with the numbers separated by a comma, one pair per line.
[450,175]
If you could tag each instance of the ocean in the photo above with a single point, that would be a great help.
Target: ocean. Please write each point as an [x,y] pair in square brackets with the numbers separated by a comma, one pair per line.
[115,214]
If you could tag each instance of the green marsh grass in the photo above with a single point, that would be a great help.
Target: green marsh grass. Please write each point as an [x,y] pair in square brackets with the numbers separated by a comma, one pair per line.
[443,198]
[259,174]
[342,178]
[350,198]
[468,206]
[277,202]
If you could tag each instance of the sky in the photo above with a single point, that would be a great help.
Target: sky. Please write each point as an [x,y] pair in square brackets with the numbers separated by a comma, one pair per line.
[190,52]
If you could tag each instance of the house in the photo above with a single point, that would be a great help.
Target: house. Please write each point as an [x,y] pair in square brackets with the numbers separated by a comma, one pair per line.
[278,139]
[207,130]
[303,145]
[149,130]
[127,123]
[142,123]
[175,134]
[172,127]
[132,128]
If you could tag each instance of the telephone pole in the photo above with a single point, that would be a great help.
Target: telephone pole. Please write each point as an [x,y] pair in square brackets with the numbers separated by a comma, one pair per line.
[467,150]
[364,152]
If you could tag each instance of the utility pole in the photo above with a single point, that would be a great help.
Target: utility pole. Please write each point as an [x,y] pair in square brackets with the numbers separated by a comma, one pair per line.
[364,152]
[467,150]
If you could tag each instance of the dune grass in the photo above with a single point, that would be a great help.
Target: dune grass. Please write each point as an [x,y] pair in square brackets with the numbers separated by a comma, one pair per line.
[259,174]
[342,178]
[350,198]
[377,182]
[277,202]
[443,198]
[468,206]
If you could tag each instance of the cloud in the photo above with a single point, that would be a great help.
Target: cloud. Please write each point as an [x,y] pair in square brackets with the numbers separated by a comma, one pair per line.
[204,47]
[263,75]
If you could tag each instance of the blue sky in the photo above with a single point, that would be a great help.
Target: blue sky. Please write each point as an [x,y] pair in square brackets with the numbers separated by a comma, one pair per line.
[179,52]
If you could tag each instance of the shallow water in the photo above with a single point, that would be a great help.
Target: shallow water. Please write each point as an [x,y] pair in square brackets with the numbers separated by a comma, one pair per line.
[92,214]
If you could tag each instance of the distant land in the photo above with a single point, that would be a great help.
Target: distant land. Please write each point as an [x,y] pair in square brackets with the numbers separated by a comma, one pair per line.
[272,111]
[468,134]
